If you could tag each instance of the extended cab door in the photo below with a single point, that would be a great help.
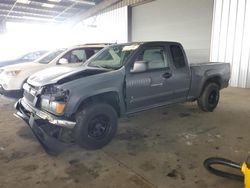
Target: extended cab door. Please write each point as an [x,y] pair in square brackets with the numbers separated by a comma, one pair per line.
[166,79]
[153,86]
[181,75]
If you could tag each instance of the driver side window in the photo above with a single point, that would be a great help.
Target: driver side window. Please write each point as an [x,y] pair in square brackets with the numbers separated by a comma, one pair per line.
[154,57]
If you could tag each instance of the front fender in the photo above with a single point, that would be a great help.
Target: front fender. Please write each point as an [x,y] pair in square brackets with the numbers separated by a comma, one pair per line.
[85,88]
[81,100]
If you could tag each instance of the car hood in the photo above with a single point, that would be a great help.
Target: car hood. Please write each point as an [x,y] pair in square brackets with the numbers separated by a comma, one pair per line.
[62,74]
[10,62]
[23,66]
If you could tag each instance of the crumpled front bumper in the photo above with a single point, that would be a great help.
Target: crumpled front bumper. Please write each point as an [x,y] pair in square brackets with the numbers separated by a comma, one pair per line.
[32,116]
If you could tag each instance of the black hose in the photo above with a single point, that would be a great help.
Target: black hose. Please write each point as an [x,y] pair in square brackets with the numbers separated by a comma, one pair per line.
[225,162]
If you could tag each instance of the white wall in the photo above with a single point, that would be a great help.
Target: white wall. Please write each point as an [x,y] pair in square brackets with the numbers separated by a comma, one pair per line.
[186,21]
[231,38]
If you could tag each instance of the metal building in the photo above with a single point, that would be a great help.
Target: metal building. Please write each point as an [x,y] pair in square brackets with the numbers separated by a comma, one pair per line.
[230,40]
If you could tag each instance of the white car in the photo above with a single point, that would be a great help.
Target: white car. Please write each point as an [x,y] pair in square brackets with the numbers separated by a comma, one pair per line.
[13,77]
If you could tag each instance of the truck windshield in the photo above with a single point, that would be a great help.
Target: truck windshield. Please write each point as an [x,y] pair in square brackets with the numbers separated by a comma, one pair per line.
[50,56]
[113,57]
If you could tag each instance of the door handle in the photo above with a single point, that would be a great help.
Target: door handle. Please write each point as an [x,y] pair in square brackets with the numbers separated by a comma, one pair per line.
[167,75]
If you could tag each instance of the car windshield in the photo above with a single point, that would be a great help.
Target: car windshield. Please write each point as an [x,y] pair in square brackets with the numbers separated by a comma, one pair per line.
[50,56]
[113,57]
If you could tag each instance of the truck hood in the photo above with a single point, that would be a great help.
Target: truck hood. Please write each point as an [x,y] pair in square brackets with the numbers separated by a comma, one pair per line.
[62,74]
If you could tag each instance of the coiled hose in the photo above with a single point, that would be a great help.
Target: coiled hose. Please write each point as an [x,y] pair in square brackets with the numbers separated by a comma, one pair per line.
[224,162]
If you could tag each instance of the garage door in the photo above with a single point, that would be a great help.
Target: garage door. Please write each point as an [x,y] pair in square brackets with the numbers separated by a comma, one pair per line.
[189,23]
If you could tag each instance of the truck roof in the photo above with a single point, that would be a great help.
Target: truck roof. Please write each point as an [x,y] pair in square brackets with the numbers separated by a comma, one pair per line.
[147,42]
[101,45]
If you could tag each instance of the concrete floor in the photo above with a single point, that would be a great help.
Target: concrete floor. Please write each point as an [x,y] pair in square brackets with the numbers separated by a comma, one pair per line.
[158,148]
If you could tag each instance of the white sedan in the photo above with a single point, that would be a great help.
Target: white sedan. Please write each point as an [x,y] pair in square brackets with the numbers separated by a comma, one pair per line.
[13,77]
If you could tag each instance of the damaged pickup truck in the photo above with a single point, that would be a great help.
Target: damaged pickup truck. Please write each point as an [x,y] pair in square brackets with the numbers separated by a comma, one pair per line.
[81,105]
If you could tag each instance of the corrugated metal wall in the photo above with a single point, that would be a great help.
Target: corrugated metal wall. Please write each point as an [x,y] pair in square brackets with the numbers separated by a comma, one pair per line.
[231,38]
[109,27]
[113,25]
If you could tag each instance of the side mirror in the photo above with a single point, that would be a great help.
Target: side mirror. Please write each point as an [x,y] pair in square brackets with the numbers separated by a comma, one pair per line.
[63,61]
[139,66]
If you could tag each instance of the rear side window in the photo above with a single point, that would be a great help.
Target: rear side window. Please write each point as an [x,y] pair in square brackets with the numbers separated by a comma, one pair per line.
[177,55]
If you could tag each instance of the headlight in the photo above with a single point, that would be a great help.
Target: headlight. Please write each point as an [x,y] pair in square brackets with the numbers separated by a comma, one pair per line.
[56,94]
[54,99]
[12,72]
[53,106]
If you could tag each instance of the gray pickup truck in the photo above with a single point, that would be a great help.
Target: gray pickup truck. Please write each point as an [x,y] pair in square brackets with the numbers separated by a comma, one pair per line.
[82,105]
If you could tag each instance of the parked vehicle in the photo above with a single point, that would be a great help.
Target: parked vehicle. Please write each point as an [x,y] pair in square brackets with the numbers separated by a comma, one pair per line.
[13,77]
[122,79]
[24,58]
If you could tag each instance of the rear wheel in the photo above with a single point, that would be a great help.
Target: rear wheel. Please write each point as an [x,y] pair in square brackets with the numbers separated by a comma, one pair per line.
[96,125]
[209,98]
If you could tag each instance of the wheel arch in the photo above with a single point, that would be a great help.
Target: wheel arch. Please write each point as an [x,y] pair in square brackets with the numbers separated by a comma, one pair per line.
[110,97]
[212,79]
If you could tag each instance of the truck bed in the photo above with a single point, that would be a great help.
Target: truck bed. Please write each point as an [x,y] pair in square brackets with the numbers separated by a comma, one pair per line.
[202,72]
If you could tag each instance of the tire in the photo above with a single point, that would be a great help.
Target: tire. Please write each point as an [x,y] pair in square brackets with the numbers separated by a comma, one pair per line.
[96,125]
[209,98]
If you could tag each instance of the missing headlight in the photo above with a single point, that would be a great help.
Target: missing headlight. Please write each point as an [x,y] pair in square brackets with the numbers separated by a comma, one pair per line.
[54,93]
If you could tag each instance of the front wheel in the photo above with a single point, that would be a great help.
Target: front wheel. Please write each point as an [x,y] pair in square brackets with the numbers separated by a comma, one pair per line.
[209,98]
[96,125]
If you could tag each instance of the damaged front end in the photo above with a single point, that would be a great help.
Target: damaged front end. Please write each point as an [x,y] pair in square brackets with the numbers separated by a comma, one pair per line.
[43,110]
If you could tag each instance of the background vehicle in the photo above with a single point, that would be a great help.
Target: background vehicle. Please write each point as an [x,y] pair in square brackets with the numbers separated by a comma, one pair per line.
[118,81]
[24,58]
[13,77]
